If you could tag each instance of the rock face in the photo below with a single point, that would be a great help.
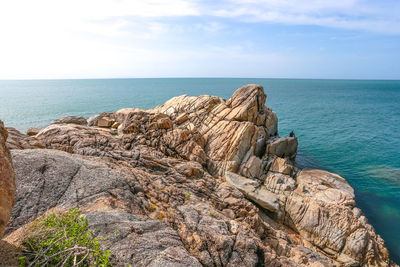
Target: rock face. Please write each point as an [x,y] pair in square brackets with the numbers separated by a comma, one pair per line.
[195,181]
[18,140]
[71,120]
[7,182]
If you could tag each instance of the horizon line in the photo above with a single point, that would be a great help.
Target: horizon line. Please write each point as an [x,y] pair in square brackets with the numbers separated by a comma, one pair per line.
[269,78]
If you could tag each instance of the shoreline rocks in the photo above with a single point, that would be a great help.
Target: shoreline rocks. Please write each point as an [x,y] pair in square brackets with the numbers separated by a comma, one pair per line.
[210,177]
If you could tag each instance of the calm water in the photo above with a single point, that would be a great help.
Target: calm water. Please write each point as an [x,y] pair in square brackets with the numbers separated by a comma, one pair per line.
[351,127]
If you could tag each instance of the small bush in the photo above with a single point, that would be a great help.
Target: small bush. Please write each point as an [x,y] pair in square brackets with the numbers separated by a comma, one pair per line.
[188,195]
[64,240]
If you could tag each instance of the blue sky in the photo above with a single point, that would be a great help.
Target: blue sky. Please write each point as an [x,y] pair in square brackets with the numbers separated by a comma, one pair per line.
[48,39]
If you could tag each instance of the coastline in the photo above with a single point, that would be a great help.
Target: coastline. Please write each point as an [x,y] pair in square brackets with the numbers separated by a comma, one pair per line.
[246,111]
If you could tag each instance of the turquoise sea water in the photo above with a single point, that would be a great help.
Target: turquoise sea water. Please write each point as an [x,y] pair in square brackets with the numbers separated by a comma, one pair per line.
[351,127]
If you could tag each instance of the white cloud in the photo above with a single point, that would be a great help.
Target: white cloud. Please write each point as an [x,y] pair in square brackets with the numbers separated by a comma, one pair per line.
[346,14]
[115,38]
[211,27]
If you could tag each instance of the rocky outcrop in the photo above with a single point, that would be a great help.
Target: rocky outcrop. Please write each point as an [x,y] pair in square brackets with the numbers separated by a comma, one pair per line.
[195,181]
[18,140]
[70,120]
[7,182]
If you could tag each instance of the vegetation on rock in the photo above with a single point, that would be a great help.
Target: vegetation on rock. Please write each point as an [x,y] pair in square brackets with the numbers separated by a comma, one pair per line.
[64,240]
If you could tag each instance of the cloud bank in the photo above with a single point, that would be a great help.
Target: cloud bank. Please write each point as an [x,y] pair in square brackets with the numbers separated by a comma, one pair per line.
[142,38]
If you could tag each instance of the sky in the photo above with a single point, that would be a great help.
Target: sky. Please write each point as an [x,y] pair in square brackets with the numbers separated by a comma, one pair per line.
[61,39]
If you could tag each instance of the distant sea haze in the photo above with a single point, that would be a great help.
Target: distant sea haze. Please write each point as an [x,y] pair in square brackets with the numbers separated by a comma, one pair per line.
[350,127]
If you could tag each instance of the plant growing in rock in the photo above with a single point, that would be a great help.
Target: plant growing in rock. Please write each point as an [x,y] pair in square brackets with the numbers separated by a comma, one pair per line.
[64,240]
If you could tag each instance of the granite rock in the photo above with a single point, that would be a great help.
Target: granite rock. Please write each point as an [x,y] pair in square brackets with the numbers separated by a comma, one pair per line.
[195,181]
[7,181]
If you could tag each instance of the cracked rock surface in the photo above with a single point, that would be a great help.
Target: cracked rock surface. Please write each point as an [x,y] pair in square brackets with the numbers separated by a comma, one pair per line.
[197,181]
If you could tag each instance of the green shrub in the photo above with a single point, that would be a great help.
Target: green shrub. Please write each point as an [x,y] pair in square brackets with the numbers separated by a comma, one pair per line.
[188,195]
[64,240]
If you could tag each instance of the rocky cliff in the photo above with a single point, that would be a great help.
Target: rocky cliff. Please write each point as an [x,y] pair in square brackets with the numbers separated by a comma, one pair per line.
[195,181]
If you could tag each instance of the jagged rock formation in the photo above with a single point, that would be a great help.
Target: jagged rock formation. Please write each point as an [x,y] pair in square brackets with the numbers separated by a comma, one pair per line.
[7,182]
[18,140]
[196,181]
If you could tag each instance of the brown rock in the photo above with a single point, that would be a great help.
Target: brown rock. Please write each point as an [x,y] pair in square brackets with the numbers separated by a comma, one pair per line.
[164,123]
[280,165]
[283,147]
[105,122]
[33,131]
[70,120]
[18,140]
[116,125]
[7,181]
[160,181]
[252,168]
[181,118]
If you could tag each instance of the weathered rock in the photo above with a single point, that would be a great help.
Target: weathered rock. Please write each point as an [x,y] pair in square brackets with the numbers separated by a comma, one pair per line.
[265,198]
[280,165]
[93,120]
[140,242]
[60,179]
[18,140]
[321,210]
[160,181]
[279,183]
[283,147]
[164,123]
[32,131]
[252,168]
[260,147]
[70,120]
[116,125]
[181,119]
[7,181]
[105,122]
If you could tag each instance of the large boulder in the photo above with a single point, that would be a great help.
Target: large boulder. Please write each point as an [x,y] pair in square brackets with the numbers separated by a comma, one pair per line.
[7,181]
[322,209]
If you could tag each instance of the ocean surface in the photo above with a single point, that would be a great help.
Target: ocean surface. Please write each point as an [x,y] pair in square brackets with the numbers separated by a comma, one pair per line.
[350,127]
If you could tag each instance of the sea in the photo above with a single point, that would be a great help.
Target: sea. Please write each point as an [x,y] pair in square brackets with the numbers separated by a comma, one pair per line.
[349,127]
